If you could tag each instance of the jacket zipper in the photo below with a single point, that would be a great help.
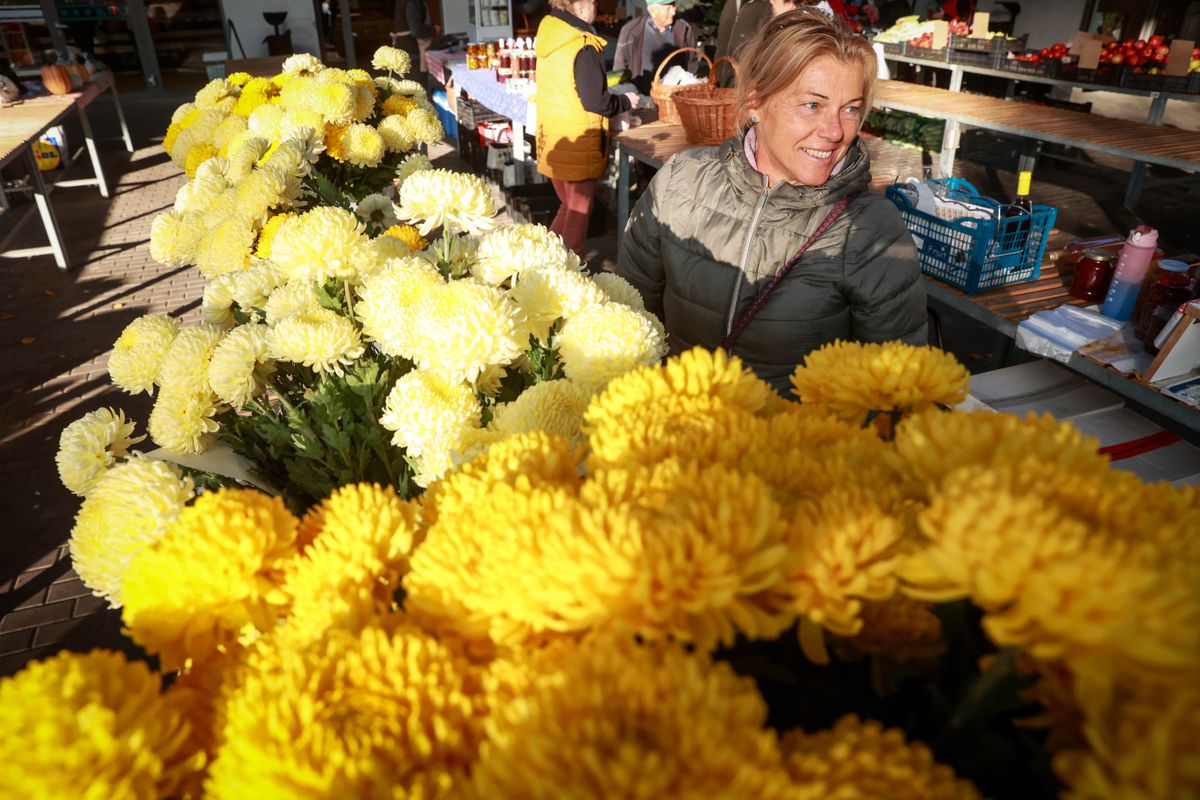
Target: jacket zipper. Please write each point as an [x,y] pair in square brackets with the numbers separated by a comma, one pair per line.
[737,287]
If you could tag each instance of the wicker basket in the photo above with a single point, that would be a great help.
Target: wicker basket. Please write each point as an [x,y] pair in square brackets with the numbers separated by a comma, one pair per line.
[662,95]
[707,112]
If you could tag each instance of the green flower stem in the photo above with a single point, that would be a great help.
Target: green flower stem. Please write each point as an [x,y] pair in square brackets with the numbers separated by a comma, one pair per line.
[292,410]
[348,299]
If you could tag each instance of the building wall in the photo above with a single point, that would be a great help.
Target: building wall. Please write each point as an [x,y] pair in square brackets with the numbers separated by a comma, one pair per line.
[1045,22]
[252,28]
[454,16]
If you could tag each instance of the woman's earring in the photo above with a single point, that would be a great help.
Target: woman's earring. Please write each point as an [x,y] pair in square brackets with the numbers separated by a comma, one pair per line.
[754,117]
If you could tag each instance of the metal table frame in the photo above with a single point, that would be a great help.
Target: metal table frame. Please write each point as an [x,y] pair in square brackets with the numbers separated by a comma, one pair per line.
[41,191]
[1158,107]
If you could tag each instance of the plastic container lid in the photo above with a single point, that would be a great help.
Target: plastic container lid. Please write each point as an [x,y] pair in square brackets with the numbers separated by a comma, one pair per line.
[1099,254]
[1171,265]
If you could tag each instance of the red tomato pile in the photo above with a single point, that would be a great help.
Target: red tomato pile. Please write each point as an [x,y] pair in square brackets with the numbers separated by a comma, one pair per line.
[1149,54]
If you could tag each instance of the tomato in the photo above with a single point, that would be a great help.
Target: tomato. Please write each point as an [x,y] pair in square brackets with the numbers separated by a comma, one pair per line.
[1139,44]
[1155,40]
[1196,52]
[1117,58]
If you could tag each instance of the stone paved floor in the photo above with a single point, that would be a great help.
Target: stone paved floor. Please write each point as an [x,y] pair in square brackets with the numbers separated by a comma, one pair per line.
[56,330]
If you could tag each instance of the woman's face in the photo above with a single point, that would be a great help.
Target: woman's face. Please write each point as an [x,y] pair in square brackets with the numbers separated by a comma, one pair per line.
[806,129]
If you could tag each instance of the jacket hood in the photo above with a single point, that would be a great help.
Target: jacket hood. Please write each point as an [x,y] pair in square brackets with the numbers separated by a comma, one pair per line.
[560,29]
[854,177]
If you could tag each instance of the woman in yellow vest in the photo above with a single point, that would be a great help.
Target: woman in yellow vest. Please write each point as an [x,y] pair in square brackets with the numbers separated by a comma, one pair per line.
[573,107]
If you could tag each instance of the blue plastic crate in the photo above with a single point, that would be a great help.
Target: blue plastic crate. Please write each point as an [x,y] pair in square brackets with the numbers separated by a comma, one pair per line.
[977,254]
[445,115]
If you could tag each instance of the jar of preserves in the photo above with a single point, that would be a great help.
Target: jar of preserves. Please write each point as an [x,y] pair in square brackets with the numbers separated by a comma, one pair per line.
[1093,272]
[1170,290]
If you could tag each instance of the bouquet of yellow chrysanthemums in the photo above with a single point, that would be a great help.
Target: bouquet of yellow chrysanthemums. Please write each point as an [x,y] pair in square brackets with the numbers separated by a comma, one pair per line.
[559,617]
[339,343]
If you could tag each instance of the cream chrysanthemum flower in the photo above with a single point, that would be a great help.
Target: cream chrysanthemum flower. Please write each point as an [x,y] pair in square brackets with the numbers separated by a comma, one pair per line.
[182,421]
[388,303]
[213,92]
[185,366]
[852,379]
[604,341]
[226,247]
[350,573]
[182,111]
[548,295]
[391,59]
[362,145]
[90,445]
[216,304]
[411,165]
[265,120]
[301,63]
[462,328]
[425,126]
[619,290]
[861,759]
[386,712]
[432,198]
[609,718]
[516,249]
[180,607]
[376,209]
[290,299]
[94,725]
[137,356]
[239,363]
[201,190]
[318,244]
[175,238]
[129,508]
[552,406]
[428,412]
[228,130]
[317,338]
[252,287]
[397,137]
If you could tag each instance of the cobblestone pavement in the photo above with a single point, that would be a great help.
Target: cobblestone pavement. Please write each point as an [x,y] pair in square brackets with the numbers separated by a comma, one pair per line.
[56,330]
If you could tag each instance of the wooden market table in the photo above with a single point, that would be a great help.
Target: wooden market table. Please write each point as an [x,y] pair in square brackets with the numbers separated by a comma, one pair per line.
[23,124]
[1000,309]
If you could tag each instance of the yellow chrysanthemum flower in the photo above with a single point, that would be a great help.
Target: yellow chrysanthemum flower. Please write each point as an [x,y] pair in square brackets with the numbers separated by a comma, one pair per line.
[381,713]
[213,92]
[185,366]
[239,363]
[335,102]
[90,445]
[267,235]
[391,59]
[317,338]
[619,290]
[216,303]
[349,575]
[604,341]
[852,379]
[332,139]
[196,155]
[180,112]
[428,412]
[241,78]
[388,304]
[180,607]
[516,249]
[425,126]
[230,128]
[137,356]
[318,245]
[613,719]
[553,406]
[226,247]
[362,145]
[168,142]
[409,235]
[245,151]
[128,509]
[289,299]
[548,295]
[396,135]
[251,99]
[94,725]
[432,198]
[182,421]
[461,328]
[175,238]
[397,105]
[857,759]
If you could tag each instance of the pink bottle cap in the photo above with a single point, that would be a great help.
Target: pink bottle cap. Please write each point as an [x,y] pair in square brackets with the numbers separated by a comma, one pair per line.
[1143,236]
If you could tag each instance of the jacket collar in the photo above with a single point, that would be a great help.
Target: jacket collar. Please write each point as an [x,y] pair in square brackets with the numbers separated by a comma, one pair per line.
[572,20]
[854,177]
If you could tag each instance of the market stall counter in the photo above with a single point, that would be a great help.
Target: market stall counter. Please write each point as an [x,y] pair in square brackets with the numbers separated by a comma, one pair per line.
[481,85]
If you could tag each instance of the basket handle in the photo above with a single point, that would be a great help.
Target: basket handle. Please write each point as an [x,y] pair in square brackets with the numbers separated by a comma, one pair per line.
[712,72]
[667,60]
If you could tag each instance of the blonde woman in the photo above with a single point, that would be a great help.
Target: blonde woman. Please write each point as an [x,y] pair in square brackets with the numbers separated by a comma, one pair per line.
[574,106]
[770,245]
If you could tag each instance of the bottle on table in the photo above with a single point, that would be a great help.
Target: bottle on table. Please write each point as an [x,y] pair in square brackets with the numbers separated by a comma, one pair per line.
[1170,290]
[1132,264]
[1015,236]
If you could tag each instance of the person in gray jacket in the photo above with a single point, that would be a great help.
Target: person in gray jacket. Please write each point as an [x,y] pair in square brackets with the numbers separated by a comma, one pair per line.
[710,241]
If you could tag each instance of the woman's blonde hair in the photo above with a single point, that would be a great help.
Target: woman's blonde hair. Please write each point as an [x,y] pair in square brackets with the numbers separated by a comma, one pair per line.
[784,48]
[563,5]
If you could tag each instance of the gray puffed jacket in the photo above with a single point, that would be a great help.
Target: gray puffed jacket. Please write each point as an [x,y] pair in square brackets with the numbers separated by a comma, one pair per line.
[707,235]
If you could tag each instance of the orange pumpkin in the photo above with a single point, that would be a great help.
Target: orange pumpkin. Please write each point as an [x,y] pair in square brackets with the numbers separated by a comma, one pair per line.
[57,79]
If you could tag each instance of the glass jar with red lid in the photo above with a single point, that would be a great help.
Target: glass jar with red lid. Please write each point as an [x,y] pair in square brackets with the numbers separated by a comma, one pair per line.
[1093,272]
[1170,290]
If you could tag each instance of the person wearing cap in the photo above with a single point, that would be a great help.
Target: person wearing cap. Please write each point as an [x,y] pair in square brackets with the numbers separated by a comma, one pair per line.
[645,42]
